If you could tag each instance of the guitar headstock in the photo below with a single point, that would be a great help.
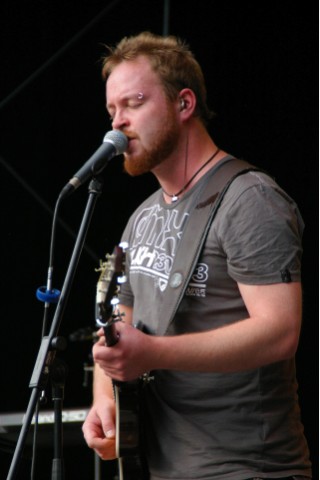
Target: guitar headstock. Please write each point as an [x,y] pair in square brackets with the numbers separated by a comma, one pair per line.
[111,276]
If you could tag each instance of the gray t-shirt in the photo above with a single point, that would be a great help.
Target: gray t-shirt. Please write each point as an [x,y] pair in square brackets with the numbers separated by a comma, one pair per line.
[209,425]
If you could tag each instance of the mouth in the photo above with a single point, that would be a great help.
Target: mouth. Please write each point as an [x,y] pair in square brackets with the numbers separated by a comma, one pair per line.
[131,143]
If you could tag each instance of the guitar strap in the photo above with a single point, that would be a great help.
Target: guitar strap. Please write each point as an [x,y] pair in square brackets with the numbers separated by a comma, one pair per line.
[194,235]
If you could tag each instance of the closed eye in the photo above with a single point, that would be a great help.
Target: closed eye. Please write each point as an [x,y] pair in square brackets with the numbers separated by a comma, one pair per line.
[128,102]
[134,103]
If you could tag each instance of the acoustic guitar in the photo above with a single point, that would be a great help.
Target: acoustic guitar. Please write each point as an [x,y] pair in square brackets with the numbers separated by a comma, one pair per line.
[127,395]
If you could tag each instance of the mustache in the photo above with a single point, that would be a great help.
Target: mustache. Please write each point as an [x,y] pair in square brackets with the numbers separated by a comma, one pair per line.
[130,134]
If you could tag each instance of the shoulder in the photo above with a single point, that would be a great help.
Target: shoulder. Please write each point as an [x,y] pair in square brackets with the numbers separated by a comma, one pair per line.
[256,200]
[259,228]
[256,206]
[255,189]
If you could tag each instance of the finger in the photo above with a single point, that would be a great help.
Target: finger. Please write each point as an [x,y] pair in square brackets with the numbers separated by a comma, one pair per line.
[104,448]
[100,332]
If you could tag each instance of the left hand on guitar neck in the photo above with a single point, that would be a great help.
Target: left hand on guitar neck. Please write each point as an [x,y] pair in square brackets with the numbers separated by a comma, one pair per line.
[128,359]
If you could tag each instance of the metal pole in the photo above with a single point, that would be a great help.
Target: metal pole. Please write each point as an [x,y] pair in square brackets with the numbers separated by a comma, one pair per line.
[166,17]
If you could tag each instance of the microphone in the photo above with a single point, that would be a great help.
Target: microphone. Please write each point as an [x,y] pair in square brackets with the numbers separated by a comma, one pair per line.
[114,143]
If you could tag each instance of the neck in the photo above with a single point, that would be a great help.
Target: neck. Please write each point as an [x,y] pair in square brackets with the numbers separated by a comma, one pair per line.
[177,175]
[175,196]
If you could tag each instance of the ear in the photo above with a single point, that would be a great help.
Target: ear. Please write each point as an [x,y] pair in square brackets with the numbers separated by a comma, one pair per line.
[186,102]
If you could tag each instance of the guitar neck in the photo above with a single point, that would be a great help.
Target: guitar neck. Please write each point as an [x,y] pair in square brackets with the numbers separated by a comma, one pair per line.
[110,333]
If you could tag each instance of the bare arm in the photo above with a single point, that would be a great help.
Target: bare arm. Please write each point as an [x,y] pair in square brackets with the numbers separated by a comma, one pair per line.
[269,334]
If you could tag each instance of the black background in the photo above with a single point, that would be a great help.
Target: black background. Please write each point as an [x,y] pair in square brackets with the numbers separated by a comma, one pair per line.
[260,60]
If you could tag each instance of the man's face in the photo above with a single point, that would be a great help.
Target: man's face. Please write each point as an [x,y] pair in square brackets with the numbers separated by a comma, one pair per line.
[138,106]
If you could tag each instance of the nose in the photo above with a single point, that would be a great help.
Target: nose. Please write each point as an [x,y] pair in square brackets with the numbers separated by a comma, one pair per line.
[120,120]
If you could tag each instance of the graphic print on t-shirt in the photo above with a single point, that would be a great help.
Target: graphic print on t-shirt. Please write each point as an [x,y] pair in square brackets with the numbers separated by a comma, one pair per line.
[157,232]
[197,286]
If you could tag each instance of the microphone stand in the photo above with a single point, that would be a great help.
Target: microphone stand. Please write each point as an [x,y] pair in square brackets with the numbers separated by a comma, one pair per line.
[58,377]
[51,343]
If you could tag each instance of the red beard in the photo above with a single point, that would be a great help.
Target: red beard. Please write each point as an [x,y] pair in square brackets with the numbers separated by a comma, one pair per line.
[163,145]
